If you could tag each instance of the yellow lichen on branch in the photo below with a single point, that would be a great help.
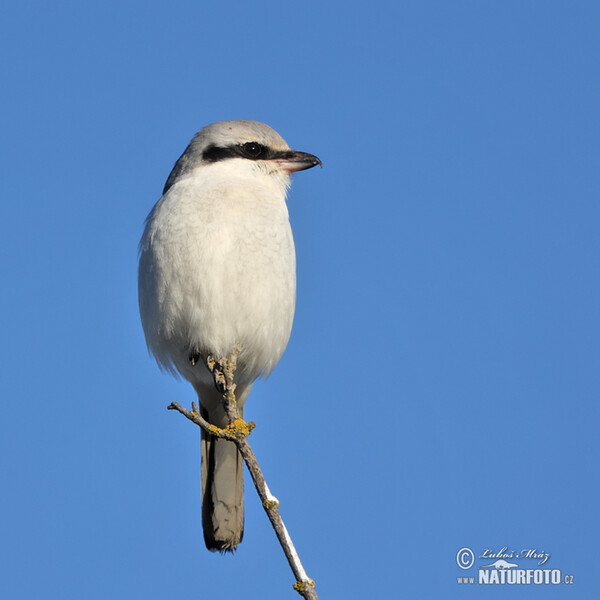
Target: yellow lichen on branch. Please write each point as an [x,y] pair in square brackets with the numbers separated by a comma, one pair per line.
[267,504]
[235,430]
[300,586]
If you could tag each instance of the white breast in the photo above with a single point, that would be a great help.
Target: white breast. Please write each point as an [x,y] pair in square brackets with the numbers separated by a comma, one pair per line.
[217,268]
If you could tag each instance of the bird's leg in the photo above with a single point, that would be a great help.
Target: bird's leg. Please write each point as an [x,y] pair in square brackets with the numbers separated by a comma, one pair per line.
[223,372]
[216,367]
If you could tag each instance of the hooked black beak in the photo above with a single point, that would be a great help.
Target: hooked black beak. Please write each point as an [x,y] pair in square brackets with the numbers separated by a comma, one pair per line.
[293,161]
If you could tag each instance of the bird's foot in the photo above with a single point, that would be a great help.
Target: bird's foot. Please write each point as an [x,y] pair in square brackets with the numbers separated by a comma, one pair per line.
[223,370]
[217,366]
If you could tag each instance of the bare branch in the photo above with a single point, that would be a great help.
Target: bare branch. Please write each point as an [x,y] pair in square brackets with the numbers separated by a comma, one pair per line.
[223,370]
[304,585]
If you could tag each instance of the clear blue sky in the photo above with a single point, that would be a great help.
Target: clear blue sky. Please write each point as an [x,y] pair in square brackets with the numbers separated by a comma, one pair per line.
[441,385]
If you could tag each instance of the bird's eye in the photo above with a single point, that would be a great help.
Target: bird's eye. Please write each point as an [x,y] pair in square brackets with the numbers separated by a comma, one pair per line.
[252,149]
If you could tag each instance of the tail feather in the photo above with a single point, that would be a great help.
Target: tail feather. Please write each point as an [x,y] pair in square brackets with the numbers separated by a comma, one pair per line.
[222,488]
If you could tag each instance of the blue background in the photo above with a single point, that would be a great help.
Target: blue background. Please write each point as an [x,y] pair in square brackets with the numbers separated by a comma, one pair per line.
[440,388]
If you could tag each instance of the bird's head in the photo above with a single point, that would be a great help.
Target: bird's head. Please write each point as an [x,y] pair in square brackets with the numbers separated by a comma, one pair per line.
[251,144]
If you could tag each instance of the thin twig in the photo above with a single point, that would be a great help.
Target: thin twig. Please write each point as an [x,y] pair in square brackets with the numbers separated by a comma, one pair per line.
[237,431]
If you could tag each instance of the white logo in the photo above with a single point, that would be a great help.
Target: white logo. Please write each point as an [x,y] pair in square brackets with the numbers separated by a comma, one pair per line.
[505,572]
[465,558]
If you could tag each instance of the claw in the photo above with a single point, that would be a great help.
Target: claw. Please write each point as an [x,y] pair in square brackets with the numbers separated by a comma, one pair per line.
[195,357]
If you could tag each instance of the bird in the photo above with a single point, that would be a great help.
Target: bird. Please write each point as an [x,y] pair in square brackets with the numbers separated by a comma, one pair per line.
[217,270]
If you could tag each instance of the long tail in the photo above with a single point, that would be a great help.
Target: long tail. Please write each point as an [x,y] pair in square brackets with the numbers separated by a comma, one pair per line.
[222,487]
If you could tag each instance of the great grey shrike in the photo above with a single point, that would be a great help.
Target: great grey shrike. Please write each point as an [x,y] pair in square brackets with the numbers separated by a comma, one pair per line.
[218,269]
